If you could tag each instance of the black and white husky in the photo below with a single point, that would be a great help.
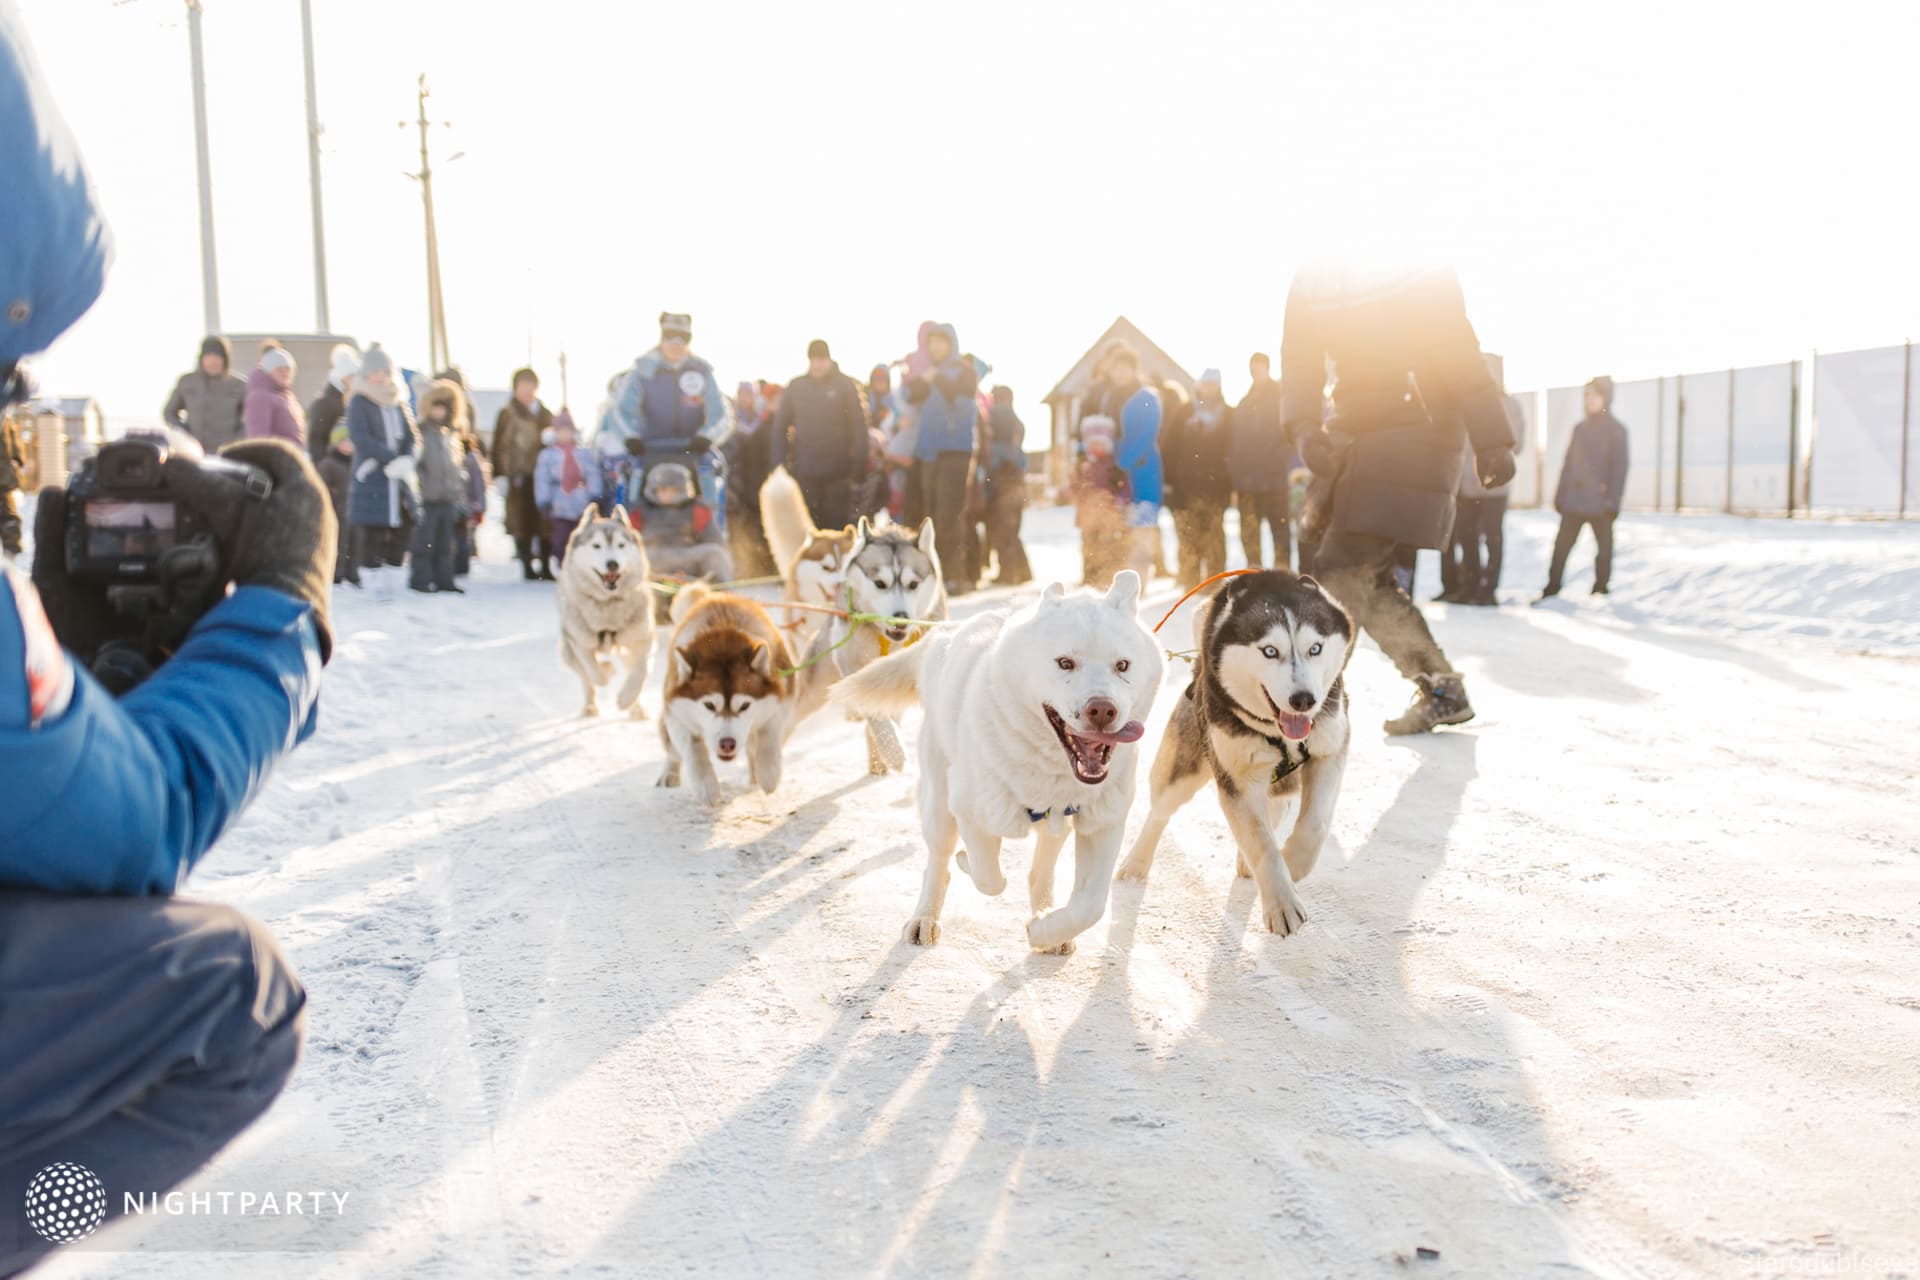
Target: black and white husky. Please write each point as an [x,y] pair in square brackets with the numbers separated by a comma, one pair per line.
[1264,719]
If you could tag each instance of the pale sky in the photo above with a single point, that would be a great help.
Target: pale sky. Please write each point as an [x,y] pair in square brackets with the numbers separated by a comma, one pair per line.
[1627,188]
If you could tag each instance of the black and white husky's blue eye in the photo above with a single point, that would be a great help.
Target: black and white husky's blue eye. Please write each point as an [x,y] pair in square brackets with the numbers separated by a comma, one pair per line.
[1269,652]
[1065,664]
[1314,651]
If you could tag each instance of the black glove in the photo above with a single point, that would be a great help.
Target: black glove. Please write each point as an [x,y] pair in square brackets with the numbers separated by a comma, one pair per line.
[285,541]
[1323,451]
[1494,466]
[80,617]
[699,443]
[635,446]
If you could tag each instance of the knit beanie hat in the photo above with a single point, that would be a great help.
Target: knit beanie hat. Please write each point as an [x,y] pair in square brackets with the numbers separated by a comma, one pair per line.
[345,362]
[1602,385]
[1097,430]
[817,350]
[277,358]
[676,324]
[376,360]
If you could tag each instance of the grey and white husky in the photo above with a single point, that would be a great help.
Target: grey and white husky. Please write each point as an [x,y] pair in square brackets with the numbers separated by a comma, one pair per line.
[606,611]
[890,574]
[1265,720]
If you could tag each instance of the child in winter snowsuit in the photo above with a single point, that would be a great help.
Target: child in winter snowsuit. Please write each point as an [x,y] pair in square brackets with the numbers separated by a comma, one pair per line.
[443,486]
[473,512]
[1102,494]
[566,481]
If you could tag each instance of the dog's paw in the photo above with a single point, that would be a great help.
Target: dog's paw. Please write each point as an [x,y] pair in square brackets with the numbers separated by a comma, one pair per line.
[636,711]
[1241,869]
[589,711]
[668,778]
[1134,869]
[707,794]
[922,931]
[1283,917]
[1043,935]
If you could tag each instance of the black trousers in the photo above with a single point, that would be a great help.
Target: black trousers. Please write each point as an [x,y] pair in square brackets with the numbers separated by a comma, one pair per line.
[1005,506]
[137,1037]
[1470,565]
[1357,569]
[432,551]
[943,496]
[1570,526]
[1274,507]
[829,500]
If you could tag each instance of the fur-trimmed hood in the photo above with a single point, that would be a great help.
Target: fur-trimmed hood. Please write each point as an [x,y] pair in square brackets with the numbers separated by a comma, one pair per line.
[450,393]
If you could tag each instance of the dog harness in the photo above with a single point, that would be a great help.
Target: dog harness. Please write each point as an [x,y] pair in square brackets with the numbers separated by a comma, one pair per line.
[1287,765]
[1041,815]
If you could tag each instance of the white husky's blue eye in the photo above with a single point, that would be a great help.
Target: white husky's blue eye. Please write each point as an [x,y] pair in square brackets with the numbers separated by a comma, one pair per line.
[1268,651]
[1314,652]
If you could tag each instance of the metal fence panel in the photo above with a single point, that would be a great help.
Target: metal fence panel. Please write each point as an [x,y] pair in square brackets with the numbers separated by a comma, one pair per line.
[1858,400]
[1762,446]
[1706,399]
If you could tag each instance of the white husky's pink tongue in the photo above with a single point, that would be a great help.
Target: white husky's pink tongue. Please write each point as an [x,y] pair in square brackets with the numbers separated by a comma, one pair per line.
[1295,728]
[1131,731]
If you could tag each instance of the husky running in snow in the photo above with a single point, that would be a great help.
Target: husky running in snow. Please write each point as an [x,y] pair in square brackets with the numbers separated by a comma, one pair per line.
[812,562]
[727,691]
[1265,719]
[1032,717]
[890,574]
[606,610]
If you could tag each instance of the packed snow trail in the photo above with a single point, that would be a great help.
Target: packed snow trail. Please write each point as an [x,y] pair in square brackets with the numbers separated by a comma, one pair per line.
[1618,980]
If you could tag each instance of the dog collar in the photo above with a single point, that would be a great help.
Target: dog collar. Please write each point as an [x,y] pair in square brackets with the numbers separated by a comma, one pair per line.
[1041,815]
[886,647]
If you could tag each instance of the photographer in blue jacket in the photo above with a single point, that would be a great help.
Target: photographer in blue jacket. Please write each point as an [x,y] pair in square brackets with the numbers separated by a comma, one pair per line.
[139,1032]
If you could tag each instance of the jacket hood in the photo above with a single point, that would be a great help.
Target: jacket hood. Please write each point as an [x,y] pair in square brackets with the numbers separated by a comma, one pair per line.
[447,392]
[926,327]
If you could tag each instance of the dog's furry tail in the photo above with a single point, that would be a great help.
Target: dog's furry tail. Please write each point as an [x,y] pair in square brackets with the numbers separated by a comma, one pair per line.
[887,687]
[784,516]
[686,599]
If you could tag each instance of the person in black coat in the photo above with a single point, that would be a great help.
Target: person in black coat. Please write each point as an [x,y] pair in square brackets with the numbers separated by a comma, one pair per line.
[1199,485]
[1592,481]
[1261,461]
[820,437]
[1411,391]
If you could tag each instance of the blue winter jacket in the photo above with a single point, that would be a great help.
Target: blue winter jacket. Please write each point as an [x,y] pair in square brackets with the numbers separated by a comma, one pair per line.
[124,797]
[1139,455]
[653,404]
[951,413]
[54,245]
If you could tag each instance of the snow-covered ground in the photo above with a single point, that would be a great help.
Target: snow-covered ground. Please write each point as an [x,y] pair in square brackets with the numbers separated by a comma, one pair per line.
[1622,979]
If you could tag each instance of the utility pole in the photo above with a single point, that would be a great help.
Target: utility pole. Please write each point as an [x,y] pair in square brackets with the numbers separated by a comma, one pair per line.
[209,269]
[321,319]
[437,356]
[564,402]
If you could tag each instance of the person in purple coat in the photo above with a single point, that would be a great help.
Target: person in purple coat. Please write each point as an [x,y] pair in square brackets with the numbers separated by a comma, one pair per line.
[271,410]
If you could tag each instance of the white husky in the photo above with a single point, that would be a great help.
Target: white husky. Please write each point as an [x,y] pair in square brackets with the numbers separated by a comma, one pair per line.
[1031,722]
[606,610]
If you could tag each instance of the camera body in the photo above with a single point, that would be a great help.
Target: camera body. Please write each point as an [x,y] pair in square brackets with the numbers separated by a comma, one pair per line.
[122,522]
[157,563]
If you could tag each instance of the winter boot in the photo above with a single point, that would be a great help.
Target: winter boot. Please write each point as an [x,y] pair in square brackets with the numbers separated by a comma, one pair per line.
[1441,699]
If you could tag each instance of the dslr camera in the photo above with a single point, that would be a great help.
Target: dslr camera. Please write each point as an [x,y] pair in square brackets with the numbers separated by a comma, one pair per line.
[158,564]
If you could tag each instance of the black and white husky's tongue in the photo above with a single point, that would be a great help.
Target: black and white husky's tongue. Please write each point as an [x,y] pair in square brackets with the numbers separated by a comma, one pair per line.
[1295,728]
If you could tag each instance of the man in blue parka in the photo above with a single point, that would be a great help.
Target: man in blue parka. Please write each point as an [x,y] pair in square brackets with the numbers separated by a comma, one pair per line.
[139,1032]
